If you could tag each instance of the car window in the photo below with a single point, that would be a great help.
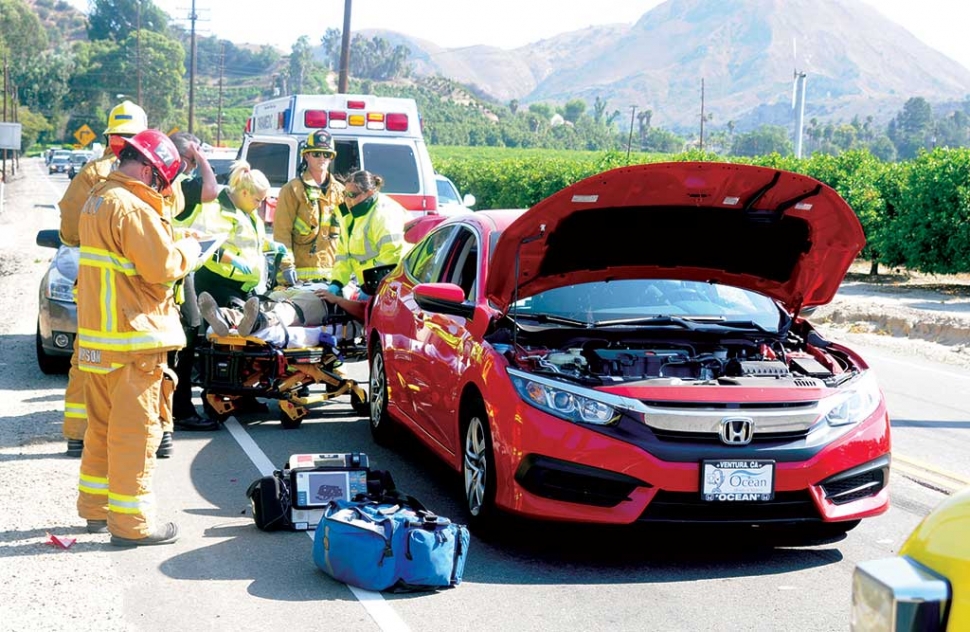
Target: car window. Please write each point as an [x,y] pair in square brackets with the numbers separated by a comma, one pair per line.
[273,159]
[397,164]
[636,298]
[447,193]
[426,259]
[461,268]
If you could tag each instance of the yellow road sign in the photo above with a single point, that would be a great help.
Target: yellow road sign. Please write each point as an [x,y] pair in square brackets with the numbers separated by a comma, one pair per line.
[84,135]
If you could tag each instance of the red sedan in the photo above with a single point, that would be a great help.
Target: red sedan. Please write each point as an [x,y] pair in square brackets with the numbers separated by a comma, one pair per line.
[631,349]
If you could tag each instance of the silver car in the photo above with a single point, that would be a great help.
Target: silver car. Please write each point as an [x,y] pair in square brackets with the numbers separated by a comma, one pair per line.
[57,313]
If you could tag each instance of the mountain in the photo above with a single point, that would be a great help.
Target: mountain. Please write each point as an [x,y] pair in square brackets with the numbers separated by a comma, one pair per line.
[857,63]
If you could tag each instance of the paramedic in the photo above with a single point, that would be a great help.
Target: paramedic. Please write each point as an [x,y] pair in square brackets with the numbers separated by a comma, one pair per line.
[239,266]
[371,233]
[305,220]
[190,191]
[127,322]
[125,120]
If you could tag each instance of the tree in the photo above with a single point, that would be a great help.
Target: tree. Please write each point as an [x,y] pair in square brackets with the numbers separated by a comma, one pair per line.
[301,64]
[22,36]
[573,109]
[117,19]
[911,129]
[767,139]
[599,108]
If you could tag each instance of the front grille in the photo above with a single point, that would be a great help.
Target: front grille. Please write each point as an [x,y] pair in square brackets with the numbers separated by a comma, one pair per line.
[670,506]
[712,437]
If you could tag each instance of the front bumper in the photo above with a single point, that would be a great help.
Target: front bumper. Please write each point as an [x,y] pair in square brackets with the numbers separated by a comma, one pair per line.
[563,471]
[57,325]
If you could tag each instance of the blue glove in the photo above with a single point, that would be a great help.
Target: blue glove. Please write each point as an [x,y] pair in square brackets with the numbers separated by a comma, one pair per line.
[335,288]
[239,264]
[278,248]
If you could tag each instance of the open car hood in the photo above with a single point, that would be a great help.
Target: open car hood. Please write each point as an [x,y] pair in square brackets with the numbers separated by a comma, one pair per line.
[784,235]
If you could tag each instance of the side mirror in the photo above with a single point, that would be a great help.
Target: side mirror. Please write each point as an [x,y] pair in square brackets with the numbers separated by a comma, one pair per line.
[468,200]
[444,298]
[49,238]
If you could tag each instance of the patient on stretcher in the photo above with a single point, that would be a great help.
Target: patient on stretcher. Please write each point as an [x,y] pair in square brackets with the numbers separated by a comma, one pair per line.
[288,324]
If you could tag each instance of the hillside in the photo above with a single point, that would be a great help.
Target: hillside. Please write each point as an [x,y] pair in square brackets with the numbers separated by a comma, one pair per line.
[857,62]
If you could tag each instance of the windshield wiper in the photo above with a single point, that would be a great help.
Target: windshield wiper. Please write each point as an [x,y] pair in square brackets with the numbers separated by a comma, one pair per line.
[687,322]
[558,320]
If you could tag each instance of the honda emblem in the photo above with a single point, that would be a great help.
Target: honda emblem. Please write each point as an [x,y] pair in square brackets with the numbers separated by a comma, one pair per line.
[737,430]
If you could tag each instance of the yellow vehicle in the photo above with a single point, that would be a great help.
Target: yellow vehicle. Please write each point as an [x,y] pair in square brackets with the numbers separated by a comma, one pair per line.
[927,587]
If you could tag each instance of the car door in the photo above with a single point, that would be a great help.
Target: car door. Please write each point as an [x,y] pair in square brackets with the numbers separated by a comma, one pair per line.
[403,329]
[445,344]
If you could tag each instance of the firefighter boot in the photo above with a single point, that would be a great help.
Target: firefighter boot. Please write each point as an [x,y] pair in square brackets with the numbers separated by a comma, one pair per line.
[165,447]
[75,447]
[167,533]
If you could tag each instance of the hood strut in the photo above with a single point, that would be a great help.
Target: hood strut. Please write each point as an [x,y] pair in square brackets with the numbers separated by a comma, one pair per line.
[515,286]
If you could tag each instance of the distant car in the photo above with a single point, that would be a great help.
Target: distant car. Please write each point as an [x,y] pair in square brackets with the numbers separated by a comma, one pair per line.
[78,160]
[449,200]
[927,586]
[57,311]
[633,349]
[60,162]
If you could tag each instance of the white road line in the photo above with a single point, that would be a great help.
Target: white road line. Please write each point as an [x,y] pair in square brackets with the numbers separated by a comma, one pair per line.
[373,602]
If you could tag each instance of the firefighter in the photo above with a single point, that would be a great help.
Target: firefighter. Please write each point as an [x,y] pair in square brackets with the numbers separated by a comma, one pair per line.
[305,220]
[127,322]
[371,233]
[125,120]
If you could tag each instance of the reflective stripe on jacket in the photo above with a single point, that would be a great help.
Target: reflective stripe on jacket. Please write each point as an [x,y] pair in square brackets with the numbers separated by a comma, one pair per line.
[129,262]
[375,239]
[306,222]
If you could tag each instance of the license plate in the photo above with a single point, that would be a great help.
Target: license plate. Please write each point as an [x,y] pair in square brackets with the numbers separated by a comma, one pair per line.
[727,481]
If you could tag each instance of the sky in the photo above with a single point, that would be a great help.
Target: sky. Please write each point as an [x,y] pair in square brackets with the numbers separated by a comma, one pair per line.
[941,24]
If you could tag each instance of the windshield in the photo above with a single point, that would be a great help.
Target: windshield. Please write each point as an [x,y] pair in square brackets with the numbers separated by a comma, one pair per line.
[638,302]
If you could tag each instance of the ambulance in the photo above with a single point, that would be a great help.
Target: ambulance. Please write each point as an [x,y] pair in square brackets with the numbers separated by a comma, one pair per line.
[379,134]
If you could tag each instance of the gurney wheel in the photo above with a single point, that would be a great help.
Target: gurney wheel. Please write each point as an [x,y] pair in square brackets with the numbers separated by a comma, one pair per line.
[289,423]
[361,405]
[211,412]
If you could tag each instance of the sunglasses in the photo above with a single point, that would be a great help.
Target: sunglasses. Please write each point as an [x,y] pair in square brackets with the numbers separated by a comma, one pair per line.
[321,154]
[353,194]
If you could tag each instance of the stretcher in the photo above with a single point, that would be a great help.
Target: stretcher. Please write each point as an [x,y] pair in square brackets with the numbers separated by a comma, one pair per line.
[234,368]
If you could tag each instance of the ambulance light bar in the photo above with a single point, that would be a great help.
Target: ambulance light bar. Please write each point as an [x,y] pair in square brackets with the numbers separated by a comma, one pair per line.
[337,119]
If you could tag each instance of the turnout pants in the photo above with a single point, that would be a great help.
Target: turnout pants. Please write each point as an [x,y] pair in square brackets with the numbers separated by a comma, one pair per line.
[124,431]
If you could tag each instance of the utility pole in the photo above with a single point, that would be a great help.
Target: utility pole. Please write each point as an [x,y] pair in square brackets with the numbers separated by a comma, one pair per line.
[701,146]
[799,105]
[344,51]
[629,142]
[138,52]
[222,68]
[6,80]
[193,18]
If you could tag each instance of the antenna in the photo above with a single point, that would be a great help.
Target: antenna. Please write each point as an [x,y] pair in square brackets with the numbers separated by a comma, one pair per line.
[798,99]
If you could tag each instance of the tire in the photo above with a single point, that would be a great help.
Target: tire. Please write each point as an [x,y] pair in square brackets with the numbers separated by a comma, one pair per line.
[50,364]
[478,470]
[381,425]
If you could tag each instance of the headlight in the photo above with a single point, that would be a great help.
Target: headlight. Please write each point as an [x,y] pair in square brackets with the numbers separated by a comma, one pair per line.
[859,400]
[59,287]
[895,594]
[572,403]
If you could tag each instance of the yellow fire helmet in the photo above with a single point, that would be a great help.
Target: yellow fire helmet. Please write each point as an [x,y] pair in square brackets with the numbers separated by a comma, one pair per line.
[126,118]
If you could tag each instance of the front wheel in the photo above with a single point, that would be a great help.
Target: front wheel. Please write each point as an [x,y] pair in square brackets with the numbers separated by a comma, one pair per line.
[478,470]
[380,421]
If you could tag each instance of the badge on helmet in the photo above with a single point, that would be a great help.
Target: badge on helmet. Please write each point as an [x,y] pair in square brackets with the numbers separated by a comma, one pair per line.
[319,140]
